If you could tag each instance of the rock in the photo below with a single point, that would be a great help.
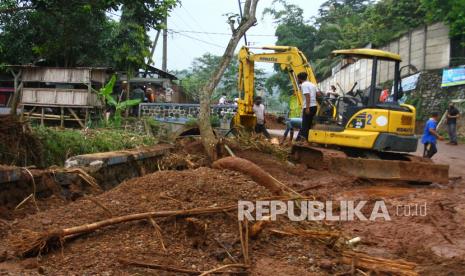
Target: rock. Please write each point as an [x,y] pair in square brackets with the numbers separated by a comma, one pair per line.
[3,256]
[46,221]
[325,264]
[41,270]
[30,263]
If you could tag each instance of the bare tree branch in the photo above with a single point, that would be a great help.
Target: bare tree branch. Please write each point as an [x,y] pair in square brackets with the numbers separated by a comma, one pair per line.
[209,140]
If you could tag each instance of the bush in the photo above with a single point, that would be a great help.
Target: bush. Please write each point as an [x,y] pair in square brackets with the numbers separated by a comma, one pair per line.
[59,145]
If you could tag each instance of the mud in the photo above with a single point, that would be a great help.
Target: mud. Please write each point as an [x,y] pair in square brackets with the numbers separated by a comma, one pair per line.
[434,239]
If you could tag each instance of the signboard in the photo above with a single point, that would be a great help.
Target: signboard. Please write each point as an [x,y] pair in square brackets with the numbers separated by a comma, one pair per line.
[453,76]
[410,82]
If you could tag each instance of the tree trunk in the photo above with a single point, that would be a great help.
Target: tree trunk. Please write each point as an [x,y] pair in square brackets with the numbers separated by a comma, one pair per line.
[17,92]
[209,140]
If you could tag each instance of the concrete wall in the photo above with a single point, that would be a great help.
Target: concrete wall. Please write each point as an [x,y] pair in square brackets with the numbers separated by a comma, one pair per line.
[427,47]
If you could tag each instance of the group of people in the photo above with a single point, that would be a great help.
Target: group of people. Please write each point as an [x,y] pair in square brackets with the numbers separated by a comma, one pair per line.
[302,121]
[149,95]
[309,92]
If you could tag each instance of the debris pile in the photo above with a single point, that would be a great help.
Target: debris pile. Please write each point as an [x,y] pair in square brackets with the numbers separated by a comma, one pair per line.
[18,144]
[176,222]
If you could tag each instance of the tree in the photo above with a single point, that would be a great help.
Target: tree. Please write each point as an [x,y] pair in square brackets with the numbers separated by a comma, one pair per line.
[133,43]
[209,140]
[78,32]
[293,30]
[450,11]
[202,69]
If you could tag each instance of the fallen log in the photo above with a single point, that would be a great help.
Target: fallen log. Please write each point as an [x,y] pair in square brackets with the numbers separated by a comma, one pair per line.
[380,265]
[171,268]
[255,172]
[307,233]
[31,243]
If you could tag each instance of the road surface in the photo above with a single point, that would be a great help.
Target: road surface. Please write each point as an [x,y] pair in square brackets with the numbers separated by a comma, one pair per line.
[447,154]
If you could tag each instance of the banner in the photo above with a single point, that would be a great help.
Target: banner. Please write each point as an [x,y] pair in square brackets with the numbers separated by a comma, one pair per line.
[410,82]
[453,76]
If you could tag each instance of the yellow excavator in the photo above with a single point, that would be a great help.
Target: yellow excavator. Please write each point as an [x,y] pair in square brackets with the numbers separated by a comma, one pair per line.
[354,134]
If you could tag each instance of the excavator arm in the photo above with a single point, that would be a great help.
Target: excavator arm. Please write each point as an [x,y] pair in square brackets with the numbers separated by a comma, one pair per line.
[290,59]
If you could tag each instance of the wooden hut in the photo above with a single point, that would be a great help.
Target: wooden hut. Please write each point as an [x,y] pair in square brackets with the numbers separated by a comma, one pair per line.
[63,94]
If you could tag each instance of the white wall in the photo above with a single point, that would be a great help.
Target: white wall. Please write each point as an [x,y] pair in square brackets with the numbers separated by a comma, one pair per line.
[426,48]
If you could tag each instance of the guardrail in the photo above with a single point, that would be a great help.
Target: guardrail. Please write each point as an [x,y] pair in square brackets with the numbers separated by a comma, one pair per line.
[182,113]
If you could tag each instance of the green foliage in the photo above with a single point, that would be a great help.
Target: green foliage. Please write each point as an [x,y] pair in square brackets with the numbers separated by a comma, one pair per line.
[193,79]
[79,32]
[342,24]
[58,145]
[450,11]
[120,106]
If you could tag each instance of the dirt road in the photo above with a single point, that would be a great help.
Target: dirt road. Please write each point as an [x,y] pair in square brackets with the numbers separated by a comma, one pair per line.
[447,154]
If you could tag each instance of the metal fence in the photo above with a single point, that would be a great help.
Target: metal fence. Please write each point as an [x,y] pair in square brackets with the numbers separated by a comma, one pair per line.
[183,113]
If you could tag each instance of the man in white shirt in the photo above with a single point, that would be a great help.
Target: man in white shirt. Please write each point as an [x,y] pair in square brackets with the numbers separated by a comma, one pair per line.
[222,99]
[309,105]
[332,94]
[259,111]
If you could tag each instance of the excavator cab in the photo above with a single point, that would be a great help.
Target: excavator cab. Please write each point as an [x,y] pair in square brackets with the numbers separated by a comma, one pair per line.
[361,121]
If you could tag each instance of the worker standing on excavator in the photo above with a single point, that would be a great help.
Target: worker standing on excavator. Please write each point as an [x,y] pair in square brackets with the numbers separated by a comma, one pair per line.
[310,105]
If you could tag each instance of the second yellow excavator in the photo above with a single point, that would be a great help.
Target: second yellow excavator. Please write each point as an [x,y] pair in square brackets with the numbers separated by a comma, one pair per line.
[356,134]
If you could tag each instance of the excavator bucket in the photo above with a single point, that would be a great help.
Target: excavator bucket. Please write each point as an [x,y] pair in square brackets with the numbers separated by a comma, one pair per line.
[407,168]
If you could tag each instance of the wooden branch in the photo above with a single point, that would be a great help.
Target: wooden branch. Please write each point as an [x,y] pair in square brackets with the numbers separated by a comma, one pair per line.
[170,268]
[157,266]
[364,261]
[30,243]
[307,233]
[108,212]
[223,267]
[225,250]
[158,232]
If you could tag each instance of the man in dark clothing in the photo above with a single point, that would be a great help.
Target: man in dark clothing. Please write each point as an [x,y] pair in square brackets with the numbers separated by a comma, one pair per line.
[452,115]
[137,93]
[309,105]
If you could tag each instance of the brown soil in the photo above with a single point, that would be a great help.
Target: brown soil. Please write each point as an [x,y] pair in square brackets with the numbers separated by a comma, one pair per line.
[18,145]
[436,241]
[274,122]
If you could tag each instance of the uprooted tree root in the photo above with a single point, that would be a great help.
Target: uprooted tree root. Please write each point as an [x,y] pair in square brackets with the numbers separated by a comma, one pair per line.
[255,172]
[251,141]
[29,243]
[21,146]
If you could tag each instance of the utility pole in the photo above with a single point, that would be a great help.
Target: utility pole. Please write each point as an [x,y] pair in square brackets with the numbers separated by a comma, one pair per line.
[165,46]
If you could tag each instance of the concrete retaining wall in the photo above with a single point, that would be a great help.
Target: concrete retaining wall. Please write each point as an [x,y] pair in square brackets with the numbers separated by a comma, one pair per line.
[108,168]
[426,48]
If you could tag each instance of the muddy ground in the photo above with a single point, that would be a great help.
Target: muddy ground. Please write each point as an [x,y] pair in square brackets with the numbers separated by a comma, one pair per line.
[435,241]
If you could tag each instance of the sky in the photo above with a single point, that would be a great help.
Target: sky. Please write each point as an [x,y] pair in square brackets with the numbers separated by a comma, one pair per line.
[208,16]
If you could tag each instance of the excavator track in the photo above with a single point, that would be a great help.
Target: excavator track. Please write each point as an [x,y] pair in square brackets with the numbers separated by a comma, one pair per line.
[372,165]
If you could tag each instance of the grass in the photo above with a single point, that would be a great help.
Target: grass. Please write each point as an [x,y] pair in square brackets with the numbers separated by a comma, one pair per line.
[59,145]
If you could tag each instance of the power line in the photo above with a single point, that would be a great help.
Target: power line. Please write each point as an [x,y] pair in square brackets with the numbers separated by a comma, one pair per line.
[213,33]
[194,20]
[200,40]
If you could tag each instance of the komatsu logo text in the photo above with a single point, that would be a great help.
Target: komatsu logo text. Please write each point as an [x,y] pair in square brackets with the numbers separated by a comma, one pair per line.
[270,59]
